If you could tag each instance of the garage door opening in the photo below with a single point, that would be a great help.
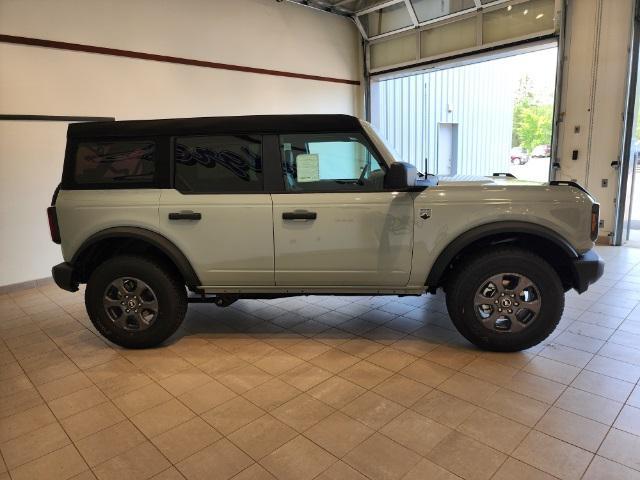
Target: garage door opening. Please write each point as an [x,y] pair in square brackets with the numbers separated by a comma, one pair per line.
[477,119]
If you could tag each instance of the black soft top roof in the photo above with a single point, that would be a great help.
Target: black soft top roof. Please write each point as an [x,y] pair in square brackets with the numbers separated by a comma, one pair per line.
[219,125]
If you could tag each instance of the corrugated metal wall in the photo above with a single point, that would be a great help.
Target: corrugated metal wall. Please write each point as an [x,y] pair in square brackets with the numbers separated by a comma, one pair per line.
[478,98]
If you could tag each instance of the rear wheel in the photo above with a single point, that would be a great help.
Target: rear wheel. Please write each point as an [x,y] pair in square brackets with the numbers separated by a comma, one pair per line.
[507,299]
[135,302]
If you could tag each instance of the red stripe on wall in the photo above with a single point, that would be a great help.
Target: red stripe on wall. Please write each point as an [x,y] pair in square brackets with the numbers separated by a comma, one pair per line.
[77,47]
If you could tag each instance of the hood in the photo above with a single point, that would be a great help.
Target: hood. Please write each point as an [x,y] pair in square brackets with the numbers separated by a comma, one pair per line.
[466,180]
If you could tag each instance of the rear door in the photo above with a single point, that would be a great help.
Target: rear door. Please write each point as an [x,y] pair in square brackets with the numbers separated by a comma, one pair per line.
[218,213]
[335,225]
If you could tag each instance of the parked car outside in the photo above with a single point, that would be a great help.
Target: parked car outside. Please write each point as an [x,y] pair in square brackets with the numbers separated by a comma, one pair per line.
[274,206]
[519,156]
[541,151]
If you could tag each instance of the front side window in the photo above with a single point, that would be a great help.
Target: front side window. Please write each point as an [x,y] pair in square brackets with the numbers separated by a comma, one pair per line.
[327,162]
[218,164]
[117,162]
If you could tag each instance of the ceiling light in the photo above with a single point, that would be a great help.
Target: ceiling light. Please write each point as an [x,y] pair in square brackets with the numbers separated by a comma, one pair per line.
[539,16]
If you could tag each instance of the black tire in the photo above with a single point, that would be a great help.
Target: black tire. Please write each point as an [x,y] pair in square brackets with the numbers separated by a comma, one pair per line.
[167,288]
[473,274]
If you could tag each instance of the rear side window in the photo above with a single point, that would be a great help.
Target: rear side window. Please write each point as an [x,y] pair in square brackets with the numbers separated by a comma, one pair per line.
[219,164]
[117,162]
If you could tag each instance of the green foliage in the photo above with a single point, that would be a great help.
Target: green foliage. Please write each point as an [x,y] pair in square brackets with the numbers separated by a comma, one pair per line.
[531,120]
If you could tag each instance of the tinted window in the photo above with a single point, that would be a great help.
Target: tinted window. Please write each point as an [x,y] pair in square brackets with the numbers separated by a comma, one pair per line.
[219,164]
[329,162]
[127,161]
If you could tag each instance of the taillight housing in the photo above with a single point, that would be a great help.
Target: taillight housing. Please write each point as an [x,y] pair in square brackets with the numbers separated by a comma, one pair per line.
[53,224]
[595,221]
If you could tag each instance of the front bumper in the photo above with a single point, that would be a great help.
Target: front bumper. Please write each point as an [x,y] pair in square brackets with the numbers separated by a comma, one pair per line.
[64,276]
[587,268]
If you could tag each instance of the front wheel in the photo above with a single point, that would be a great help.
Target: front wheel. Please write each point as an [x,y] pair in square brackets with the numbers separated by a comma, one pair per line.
[506,300]
[135,302]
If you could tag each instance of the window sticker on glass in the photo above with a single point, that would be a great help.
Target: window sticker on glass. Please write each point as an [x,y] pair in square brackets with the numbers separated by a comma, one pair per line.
[308,167]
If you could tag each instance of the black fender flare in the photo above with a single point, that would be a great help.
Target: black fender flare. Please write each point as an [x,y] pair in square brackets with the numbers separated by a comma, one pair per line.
[155,239]
[469,237]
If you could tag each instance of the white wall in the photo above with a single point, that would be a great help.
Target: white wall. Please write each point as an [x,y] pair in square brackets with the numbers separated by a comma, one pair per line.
[43,81]
[596,68]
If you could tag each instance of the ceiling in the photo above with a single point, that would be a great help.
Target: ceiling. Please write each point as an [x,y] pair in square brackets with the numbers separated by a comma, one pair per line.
[341,7]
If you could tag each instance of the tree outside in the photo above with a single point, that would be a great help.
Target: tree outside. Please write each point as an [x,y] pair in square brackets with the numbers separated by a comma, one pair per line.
[532,118]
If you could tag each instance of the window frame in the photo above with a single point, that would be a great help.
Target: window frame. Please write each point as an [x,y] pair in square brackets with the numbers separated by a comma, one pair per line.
[160,174]
[267,182]
[366,142]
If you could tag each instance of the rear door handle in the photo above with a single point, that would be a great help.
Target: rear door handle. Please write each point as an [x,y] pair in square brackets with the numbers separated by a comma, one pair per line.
[299,215]
[185,215]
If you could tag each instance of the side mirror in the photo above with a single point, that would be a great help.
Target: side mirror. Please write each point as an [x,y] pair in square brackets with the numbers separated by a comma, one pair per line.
[400,176]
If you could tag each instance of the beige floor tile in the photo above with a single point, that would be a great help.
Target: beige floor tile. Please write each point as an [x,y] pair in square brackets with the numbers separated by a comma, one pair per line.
[614,368]
[171,473]
[402,390]
[634,398]
[340,471]
[138,401]
[58,465]
[494,430]
[219,461]
[426,469]
[19,402]
[380,458]
[621,447]
[308,349]
[118,377]
[552,370]
[25,422]
[429,373]
[553,456]
[254,472]
[262,436]
[466,457]
[277,362]
[34,444]
[415,432]
[516,407]
[373,410]
[514,469]
[140,462]
[468,388]
[161,418]
[232,415]
[392,359]
[206,397]
[629,420]
[120,437]
[573,429]
[603,385]
[451,357]
[568,355]
[302,412]
[185,380]
[186,439]
[336,392]
[338,433]
[490,371]
[589,405]
[15,384]
[601,468]
[444,408]
[298,459]
[64,386]
[92,420]
[271,394]
[334,360]
[536,387]
[305,376]
[365,374]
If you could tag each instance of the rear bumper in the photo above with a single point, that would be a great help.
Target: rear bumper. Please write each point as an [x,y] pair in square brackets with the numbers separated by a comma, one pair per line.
[64,276]
[587,268]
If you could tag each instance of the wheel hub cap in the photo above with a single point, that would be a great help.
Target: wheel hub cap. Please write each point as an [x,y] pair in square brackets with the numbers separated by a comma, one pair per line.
[507,302]
[130,303]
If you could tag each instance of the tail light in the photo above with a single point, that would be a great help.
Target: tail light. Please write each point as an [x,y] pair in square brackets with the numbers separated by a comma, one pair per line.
[53,224]
[595,220]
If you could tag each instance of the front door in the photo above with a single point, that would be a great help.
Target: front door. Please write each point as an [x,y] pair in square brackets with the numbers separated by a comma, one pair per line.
[218,214]
[336,225]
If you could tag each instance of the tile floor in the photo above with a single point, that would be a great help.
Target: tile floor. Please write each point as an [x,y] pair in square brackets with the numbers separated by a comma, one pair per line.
[329,388]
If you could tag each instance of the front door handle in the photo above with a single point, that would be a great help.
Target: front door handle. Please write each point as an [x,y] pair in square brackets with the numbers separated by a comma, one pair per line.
[185,215]
[299,215]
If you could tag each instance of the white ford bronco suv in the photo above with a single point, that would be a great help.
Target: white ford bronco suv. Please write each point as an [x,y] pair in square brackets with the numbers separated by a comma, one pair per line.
[284,205]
